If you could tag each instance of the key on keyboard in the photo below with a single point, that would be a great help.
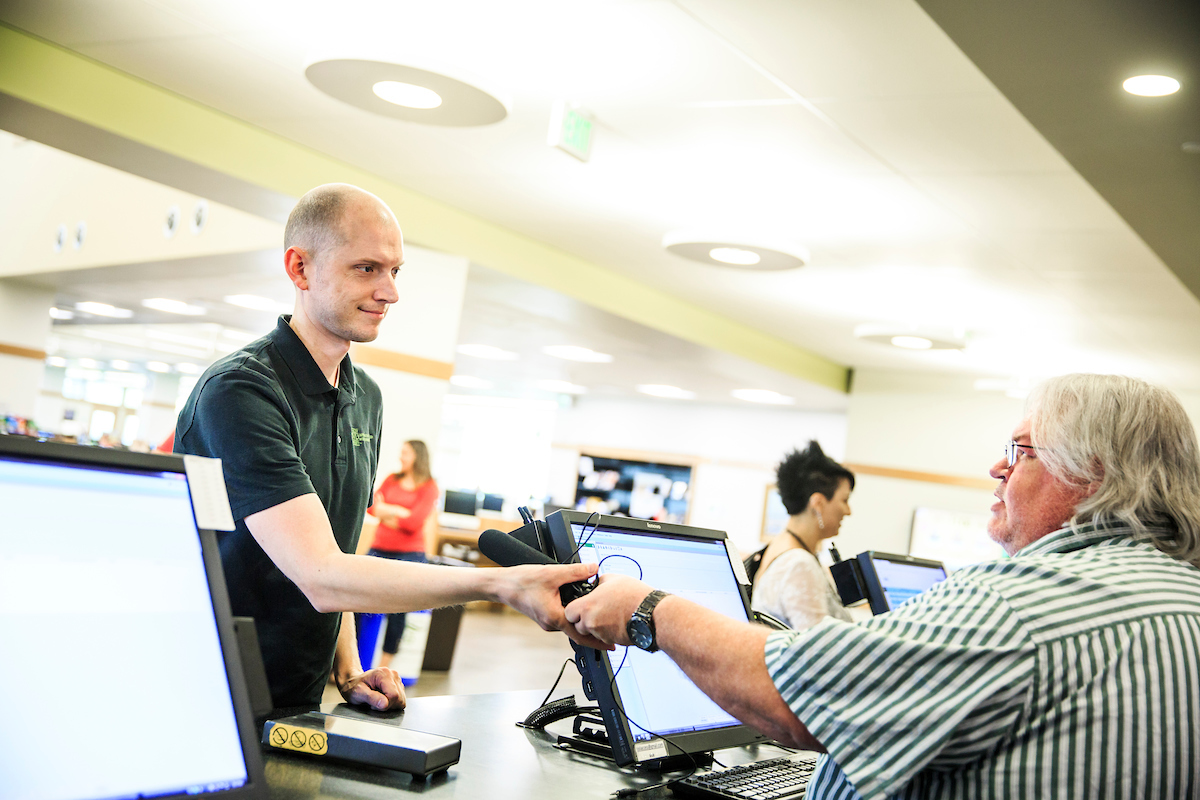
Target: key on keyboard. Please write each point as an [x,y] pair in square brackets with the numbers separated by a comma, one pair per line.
[774,779]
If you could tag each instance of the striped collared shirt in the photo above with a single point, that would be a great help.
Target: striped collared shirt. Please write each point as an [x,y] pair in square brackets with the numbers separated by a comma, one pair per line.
[1071,670]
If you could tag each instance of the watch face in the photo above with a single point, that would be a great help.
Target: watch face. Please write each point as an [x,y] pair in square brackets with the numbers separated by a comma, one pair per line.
[639,633]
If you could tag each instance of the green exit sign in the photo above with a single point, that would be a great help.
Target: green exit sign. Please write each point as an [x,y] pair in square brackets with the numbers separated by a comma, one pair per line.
[571,130]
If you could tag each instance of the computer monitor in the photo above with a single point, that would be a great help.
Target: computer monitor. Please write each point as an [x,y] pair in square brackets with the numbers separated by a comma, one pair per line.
[460,502]
[115,603]
[891,579]
[493,502]
[651,709]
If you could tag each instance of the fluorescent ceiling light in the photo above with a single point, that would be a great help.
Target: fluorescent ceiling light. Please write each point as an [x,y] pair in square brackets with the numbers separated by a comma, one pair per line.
[912,342]
[61,313]
[1151,85]
[407,94]
[486,351]
[167,336]
[734,255]
[103,310]
[56,361]
[469,382]
[118,364]
[188,368]
[669,392]
[562,387]
[158,366]
[179,351]
[253,302]
[173,306]
[573,353]
[763,396]
[87,363]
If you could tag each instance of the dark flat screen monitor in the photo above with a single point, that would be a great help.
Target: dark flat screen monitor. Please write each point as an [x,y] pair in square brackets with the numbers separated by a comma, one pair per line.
[651,709]
[891,579]
[117,603]
[493,502]
[460,502]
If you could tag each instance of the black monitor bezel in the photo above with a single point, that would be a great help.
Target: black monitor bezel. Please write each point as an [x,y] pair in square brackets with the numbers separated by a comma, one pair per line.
[461,495]
[876,597]
[42,452]
[596,666]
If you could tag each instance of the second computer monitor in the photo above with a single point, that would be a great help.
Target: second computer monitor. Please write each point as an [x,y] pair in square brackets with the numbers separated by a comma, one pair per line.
[891,579]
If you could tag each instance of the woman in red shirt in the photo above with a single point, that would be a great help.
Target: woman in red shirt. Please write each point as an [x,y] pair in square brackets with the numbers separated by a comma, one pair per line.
[402,504]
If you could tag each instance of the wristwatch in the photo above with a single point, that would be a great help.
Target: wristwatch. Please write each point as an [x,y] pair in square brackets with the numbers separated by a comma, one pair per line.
[640,627]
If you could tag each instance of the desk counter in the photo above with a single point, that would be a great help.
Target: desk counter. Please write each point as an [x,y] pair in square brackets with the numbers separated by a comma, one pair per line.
[499,760]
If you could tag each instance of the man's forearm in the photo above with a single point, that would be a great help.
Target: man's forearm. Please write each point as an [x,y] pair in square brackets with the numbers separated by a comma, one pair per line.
[725,659]
[346,663]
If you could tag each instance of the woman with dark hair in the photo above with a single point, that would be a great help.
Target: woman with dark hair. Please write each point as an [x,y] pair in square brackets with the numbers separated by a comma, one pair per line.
[402,504]
[791,584]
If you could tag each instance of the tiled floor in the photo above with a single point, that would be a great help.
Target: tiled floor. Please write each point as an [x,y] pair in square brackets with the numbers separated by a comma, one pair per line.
[498,651]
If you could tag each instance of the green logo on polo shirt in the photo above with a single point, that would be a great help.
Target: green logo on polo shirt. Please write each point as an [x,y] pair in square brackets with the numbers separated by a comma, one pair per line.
[358,437]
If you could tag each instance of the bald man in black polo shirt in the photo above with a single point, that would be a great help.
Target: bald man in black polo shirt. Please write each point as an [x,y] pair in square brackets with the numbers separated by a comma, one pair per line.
[297,428]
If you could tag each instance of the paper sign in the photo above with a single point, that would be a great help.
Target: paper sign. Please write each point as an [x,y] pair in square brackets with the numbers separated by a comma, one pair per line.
[735,558]
[209,500]
[655,748]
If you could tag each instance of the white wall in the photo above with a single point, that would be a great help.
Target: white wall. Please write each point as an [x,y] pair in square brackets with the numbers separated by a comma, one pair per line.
[924,423]
[24,322]
[738,448]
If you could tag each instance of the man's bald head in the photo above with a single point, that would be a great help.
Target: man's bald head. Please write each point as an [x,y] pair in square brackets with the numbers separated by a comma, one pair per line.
[316,224]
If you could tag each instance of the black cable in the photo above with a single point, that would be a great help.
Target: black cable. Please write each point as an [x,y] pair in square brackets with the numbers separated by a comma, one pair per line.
[556,680]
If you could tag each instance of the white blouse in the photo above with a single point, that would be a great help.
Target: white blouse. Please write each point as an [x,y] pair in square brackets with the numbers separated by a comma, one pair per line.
[797,589]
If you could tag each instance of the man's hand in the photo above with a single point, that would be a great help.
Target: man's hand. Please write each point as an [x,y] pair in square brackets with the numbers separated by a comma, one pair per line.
[533,590]
[604,613]
[379,688]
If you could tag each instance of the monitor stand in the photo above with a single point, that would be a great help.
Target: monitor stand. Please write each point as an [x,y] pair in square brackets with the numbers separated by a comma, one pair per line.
[590,737]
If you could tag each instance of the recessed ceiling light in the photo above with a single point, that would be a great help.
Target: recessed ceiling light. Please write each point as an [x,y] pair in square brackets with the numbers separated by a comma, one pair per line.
[407,94]
[61,313]
[726,251]
[188,368]
[562,387]
[87,363]
[486,351]
[173,306]
[763,396]
[469,382]
[734,255]
[912,342]
[253,302]
[103,310]
[911,337]
[573,353]
[663,390]
[56,361]
[118,364]
[158,366]
[1151,85]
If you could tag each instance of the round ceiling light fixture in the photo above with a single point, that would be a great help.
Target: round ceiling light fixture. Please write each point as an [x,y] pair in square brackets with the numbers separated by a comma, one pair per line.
[408,92]
[737,252]
[1151,85]
[911,337]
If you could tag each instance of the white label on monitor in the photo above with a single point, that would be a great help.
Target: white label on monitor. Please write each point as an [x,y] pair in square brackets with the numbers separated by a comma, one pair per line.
[655,748]
[735,558]
[209,499]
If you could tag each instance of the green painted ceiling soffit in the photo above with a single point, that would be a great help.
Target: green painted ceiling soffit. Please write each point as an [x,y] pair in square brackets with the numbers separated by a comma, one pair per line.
[74,86]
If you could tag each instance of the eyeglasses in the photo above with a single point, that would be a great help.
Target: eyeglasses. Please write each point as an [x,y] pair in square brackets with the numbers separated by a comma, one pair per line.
[1012,451]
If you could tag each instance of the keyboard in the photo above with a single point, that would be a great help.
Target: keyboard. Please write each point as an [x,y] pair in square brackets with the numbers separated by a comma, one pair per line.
[774,779]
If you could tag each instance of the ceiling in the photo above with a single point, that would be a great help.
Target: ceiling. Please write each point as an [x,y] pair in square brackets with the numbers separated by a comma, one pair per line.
[954,179]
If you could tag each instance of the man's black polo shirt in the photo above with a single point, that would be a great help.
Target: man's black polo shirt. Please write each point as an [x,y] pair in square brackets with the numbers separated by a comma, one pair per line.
[282,431]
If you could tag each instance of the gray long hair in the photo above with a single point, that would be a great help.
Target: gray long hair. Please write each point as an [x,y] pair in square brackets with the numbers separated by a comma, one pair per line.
[1132,439]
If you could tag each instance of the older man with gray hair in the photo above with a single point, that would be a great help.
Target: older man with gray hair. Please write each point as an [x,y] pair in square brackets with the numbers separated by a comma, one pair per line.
[1071,669]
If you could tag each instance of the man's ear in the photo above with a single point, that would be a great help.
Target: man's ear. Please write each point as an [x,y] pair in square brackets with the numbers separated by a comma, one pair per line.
[297,265]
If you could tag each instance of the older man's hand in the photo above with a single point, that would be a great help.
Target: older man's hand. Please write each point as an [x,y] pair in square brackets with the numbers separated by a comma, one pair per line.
[604,612]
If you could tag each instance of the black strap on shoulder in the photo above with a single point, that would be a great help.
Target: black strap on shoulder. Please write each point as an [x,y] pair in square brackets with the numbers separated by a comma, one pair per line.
[752,563]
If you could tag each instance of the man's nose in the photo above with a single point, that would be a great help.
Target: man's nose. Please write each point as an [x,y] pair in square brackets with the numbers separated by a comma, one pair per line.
[388,292]
[1000,469]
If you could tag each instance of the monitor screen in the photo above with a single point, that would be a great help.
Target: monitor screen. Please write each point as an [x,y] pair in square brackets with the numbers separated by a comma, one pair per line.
[493,502]
[460,502]
[645,696]
[890,580]
[103,583]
